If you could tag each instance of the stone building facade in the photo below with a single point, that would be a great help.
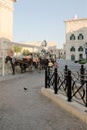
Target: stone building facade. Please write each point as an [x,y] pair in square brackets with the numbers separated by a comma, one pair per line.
[76,38]
[6,23]
[6,31]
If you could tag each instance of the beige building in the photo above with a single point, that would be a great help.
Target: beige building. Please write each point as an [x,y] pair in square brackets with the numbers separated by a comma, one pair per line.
[6,30]
[76,37]
[6,19]
[6,23]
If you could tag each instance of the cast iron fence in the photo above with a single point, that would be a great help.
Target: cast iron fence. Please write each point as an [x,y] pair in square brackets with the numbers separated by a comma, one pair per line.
[69,83]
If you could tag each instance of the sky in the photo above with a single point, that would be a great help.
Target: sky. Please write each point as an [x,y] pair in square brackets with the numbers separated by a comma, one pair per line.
[38,20]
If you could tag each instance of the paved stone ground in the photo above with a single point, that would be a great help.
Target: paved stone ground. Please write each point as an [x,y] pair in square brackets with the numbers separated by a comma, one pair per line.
[29,110]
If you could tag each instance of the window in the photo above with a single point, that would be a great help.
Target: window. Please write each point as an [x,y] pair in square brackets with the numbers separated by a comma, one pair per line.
[72,37]
[72,49]
[80,48]
[72,57]
[80,56]
[80,37]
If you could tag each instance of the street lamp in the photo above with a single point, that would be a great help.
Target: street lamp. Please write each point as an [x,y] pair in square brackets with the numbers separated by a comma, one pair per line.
[85,46]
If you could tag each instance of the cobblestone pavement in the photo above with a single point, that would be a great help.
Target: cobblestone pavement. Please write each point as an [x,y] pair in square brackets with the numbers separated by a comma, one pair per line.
[29,110]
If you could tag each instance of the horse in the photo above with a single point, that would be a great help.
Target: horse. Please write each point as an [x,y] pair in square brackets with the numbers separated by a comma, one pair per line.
[23,63]
[8,58]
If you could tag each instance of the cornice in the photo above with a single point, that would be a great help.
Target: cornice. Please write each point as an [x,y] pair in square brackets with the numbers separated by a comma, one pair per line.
[6,5]
[74,20]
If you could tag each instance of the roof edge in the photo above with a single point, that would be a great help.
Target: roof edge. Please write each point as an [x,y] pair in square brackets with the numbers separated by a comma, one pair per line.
[74,20]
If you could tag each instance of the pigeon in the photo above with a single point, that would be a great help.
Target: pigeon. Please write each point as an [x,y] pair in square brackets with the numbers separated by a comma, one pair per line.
[25,88]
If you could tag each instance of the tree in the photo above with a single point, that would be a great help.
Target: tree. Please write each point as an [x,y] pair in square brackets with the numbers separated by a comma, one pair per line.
[26,52]
[17,49]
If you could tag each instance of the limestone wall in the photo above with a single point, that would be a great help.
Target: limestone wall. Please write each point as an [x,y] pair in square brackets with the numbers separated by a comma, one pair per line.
[6,19]
[76,27]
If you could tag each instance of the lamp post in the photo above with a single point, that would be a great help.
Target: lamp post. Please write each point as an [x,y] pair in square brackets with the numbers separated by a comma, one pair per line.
[85,46]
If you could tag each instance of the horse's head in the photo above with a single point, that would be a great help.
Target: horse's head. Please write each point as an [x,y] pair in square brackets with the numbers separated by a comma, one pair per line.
[8,58]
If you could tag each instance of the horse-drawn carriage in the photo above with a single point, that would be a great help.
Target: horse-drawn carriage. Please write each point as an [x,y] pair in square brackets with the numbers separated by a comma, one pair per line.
[23,63]
[26,63]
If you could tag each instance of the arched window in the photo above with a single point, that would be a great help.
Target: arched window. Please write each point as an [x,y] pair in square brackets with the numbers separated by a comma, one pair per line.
[72,37]
[80,56]
[72,57]
[80,48]
[80,37]
[72,48]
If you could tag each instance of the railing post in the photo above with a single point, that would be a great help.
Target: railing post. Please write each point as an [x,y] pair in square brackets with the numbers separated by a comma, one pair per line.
[82,72]
[86,94]
[65,71]
[46,77]
[55,80]
[65,75]
[69,93]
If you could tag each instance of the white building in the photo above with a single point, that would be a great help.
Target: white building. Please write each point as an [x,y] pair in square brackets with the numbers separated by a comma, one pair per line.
[76,37]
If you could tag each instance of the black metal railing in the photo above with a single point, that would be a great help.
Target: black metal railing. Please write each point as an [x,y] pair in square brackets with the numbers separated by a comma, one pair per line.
[73,85]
